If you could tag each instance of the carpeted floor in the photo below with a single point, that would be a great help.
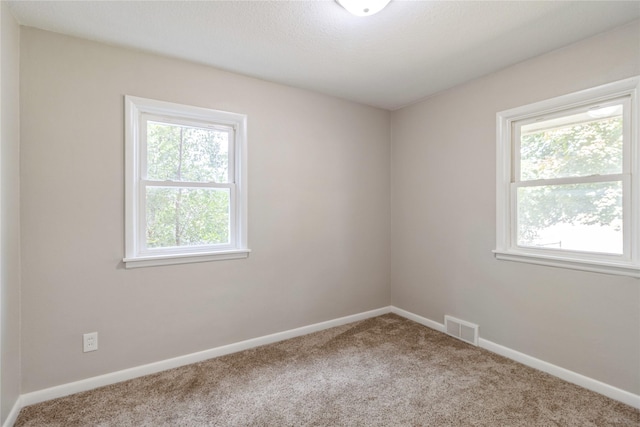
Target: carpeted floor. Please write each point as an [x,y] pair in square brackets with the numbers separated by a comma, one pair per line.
[385,371]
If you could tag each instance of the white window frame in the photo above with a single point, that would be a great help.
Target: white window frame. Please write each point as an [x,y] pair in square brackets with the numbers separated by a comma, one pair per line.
[627,264]
[137,112]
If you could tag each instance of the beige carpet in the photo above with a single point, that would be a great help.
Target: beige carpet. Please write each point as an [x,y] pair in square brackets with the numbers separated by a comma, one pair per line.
[385,371]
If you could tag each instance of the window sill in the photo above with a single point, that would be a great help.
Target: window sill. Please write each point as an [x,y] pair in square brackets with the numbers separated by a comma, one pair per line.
[150,261]
[604,267]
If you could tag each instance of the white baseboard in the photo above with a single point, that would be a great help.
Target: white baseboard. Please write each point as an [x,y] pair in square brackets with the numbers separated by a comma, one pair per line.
[13,414]
[418,319]
[152,368]
[565,374]
[127,374]
[562,373]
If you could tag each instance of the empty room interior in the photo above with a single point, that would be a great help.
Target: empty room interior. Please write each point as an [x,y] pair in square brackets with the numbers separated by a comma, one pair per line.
[345,179]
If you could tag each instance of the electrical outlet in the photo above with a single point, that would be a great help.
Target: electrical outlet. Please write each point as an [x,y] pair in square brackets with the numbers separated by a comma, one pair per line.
[90,342]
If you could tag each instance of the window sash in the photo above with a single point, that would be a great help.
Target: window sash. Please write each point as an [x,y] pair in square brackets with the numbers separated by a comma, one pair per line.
[624,177]
[138,111]
[625,101]
[626,218]
[143,183]
[571,180]
[508,123]
[144,250]
[181,121]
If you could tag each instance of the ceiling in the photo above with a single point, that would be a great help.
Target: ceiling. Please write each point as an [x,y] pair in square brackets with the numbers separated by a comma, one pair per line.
[408,51]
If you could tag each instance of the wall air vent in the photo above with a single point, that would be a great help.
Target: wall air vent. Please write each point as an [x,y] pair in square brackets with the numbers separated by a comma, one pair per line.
[463,330]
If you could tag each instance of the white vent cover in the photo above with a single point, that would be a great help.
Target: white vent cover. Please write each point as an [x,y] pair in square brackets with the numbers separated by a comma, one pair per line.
[465,331]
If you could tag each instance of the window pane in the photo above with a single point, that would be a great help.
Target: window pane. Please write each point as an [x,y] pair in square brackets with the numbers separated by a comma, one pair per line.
[184,153]
[584,144]
[187,217]
[582,217]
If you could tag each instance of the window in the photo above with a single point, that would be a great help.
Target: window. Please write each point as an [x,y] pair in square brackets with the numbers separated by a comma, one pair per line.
[186,197]
[568,181]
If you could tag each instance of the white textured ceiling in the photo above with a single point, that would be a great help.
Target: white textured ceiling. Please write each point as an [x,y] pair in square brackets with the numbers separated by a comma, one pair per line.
[407,52]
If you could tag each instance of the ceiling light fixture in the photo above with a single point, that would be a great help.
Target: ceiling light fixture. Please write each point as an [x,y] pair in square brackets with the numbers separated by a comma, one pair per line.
[363,7]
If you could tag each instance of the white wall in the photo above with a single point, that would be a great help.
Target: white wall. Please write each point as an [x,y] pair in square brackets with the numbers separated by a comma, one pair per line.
[9,212]
[443,222]
[318,213]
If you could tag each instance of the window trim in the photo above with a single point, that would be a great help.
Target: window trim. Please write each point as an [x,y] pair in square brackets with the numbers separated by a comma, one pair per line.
[135,253]
[629,263]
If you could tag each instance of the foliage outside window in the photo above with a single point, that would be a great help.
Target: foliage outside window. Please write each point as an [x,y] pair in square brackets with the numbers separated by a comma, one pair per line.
[185,184]
[567,187]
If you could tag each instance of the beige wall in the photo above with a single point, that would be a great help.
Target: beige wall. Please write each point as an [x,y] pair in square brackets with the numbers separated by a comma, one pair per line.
[443,222]
[318,214]
[318,217]
[9,212]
